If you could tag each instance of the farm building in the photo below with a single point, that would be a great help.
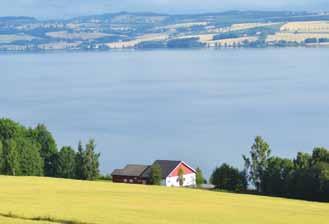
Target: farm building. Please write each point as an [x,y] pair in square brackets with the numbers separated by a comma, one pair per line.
[133,174]
[141,174]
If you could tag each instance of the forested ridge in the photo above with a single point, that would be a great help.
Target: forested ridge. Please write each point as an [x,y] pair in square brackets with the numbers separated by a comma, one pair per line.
[26,151]
[304,177]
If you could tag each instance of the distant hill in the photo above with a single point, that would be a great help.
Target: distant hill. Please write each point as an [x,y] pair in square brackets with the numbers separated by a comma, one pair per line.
[18,19]
[27,199]
[152,30]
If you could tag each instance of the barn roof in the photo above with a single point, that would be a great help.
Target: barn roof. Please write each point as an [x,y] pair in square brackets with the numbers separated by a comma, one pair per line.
[130,170]
[167,166]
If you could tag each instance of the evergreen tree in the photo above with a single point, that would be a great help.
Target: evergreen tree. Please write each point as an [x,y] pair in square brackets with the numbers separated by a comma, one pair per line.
[79,162]
[90,162]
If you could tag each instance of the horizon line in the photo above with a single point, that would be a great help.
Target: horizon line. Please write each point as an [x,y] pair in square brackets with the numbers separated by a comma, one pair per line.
[162,13]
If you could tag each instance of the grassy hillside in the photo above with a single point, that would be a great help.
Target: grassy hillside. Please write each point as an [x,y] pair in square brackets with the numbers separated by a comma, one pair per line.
[101,202]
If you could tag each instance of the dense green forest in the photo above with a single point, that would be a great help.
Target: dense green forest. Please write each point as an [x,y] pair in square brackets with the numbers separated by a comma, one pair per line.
[33,152]
[304,177]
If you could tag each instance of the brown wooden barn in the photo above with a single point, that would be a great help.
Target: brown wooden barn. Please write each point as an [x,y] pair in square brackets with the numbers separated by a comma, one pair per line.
[131,174]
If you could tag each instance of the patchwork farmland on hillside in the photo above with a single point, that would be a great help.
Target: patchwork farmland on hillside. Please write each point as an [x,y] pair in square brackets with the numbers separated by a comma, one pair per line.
[150,30]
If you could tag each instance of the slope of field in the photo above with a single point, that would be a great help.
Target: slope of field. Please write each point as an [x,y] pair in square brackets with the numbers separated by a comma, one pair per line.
[103,202]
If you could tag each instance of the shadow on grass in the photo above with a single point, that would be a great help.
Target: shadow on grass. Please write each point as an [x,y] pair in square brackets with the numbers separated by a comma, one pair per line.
[42,218]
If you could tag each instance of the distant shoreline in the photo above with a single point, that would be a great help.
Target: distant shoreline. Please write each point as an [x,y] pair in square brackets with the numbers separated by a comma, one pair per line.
[154,50]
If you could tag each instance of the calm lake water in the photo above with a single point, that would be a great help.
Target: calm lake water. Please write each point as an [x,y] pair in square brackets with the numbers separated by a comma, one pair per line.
[201,106]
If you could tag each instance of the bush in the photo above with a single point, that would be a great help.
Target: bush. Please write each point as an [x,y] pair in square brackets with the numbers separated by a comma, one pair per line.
[228,178]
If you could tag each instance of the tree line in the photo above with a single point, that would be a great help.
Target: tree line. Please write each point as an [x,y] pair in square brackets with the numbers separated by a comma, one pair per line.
[26,151]
[304,177]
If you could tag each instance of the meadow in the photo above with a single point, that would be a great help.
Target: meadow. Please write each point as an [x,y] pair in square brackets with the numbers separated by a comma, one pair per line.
[69,201]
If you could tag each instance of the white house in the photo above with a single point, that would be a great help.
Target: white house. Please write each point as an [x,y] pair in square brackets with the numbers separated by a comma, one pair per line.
[170,173]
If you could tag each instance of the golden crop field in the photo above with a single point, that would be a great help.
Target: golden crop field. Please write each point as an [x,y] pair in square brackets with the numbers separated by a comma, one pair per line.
[298,37]
[104,202]
[140,39]
[230,42]
[245,26]
[306,27]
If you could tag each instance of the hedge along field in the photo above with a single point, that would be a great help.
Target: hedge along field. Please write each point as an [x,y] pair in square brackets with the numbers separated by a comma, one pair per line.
[71,201]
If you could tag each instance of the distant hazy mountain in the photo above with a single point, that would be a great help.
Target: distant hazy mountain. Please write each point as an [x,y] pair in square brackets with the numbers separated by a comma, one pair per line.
[64,8]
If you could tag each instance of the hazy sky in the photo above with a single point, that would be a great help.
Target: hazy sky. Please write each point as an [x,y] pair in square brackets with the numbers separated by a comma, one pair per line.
[69,8]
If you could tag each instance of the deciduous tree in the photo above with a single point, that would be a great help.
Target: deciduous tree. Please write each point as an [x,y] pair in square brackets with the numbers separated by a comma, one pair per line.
[181,177]
[48,148]
[199,177]
[66,163]
[228,178]
[256,164]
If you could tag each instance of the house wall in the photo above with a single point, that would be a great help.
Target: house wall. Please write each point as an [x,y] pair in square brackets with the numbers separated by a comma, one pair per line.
[173,181]
[182,166]
[129,180]
[189,177]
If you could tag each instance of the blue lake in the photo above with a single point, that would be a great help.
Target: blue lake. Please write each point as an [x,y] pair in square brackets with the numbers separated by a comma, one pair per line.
[201,106]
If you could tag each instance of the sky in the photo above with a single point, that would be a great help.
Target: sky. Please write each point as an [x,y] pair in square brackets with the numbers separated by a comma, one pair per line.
[71,8]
